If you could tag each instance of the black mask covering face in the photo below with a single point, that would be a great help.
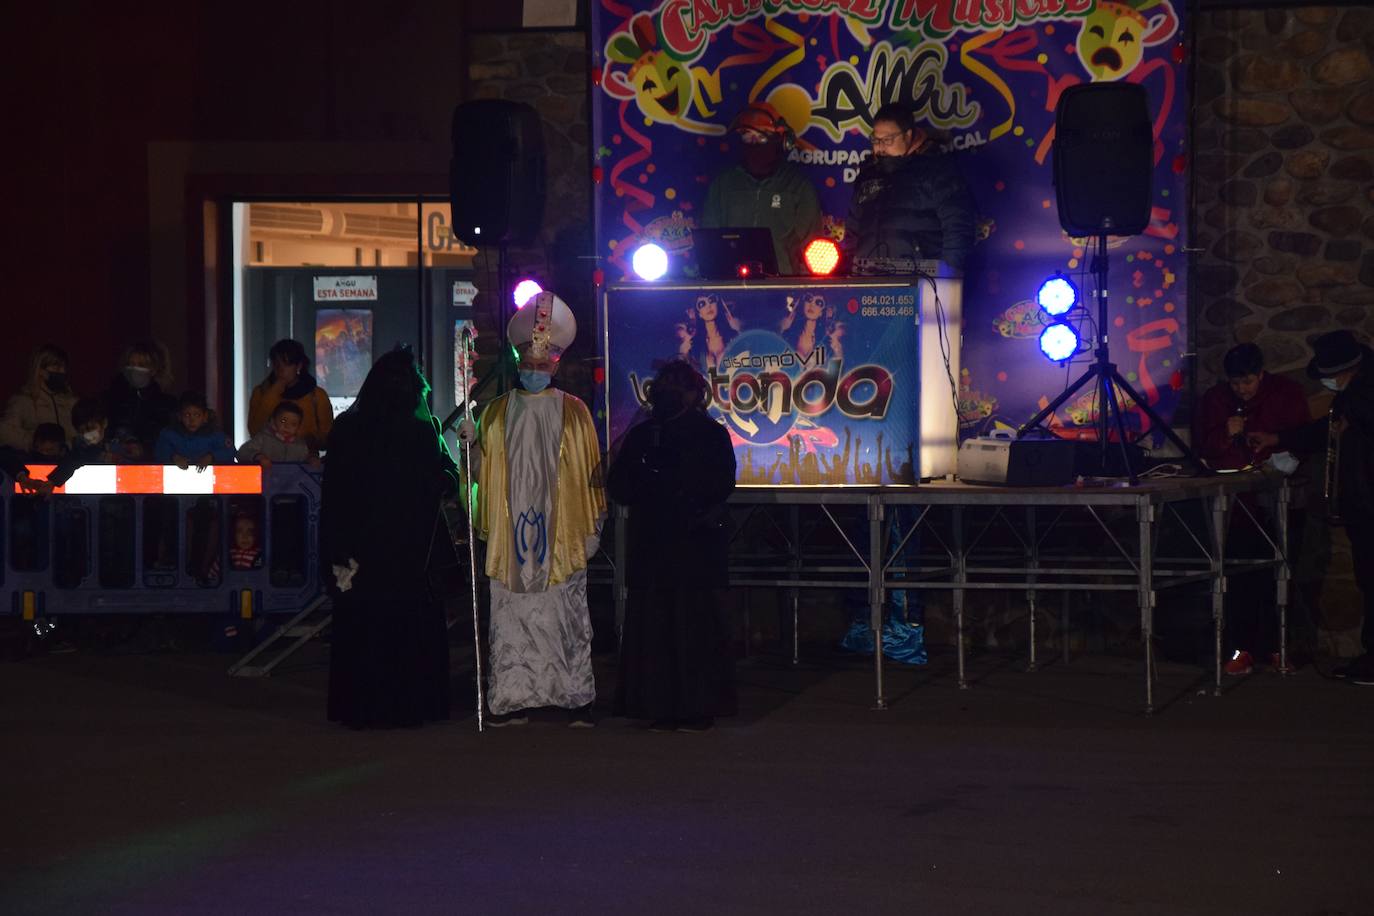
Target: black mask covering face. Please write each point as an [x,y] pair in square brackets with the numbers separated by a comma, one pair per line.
[889,164]
[57,382]
[761,159]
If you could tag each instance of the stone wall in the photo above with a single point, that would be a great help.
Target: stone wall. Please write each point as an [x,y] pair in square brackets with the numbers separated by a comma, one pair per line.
[1284,160]
[550,71]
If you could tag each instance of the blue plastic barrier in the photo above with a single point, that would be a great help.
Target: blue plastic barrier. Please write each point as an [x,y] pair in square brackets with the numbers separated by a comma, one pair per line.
[130,554]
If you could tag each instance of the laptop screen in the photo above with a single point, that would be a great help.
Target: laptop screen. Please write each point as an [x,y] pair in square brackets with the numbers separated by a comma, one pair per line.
[720,252]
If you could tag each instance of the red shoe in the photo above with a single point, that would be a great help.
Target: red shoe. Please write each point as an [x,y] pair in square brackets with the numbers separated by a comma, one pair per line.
[1240,664]
[1276,662]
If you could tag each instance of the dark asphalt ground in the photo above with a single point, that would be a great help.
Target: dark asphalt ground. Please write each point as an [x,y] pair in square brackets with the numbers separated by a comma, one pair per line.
[156,784]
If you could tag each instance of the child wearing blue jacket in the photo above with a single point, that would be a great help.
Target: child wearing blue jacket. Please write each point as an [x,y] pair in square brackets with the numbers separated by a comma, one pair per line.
[193,438]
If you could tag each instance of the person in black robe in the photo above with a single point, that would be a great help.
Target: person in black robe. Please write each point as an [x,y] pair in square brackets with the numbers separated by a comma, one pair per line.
[385,474]
[676,471]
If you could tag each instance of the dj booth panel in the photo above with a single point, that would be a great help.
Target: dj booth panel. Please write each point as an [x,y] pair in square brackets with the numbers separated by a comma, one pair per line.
[889,332]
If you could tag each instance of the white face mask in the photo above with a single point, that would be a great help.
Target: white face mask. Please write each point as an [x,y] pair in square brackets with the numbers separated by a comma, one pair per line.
[1331,384]
[92,436]
[1284,462]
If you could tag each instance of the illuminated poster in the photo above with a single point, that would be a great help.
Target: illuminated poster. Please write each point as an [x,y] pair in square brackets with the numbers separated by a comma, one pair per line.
[343,350]
[816,384]
[983,78]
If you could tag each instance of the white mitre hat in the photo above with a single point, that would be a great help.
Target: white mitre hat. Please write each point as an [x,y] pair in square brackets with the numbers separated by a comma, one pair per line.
[546,325]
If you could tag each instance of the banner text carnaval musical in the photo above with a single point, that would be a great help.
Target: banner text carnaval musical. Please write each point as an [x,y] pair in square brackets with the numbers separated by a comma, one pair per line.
[983,76]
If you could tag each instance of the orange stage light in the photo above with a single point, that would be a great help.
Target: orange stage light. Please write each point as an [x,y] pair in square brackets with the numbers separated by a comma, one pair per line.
[822,256]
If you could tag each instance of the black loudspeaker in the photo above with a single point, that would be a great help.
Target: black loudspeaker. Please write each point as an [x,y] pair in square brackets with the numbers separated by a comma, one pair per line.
[1103,157]
[496,175]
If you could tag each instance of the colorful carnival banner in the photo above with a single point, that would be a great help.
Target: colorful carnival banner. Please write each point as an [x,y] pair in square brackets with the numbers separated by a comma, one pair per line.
[816,383]
[982,75]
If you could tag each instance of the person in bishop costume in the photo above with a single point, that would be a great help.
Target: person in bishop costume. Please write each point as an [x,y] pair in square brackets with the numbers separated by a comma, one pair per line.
[540,510]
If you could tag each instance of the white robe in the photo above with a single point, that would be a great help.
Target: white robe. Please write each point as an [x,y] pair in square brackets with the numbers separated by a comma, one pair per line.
[540,637]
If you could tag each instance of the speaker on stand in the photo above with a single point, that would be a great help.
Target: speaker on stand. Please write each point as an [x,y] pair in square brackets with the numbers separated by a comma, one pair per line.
[496,183]
[1103,160]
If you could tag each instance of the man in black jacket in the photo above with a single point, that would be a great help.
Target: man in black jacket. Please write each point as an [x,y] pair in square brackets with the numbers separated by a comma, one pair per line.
[1346,366]
[910,202]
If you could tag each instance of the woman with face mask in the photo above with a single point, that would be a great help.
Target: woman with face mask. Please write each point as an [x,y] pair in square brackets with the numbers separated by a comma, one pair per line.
[910,202]
[45,397]
[137,401]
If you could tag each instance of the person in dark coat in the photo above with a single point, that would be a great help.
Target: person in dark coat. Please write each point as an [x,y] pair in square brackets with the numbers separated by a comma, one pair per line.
[1346,366]
[137,403]
[675,472]
[910,201]
[384,477]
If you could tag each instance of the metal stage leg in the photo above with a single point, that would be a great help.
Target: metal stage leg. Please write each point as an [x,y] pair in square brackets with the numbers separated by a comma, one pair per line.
[1032,562]
[1282,573]
[1145,515]
[875,591]
[1064,625]
[1219,521]
[957,595]
[618,584]
[794,523]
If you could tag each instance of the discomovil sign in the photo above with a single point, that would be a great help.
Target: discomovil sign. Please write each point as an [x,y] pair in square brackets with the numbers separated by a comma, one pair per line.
[817,383]
[982,75]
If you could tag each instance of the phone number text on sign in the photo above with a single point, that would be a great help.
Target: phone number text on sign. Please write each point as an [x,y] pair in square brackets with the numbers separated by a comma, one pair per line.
[885,306]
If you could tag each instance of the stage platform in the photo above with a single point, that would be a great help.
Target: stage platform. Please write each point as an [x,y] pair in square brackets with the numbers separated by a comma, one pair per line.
[953,524]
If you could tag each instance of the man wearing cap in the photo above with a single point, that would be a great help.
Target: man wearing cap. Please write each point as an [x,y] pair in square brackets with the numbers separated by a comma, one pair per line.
[765,189]
[1344,365]
[540,511]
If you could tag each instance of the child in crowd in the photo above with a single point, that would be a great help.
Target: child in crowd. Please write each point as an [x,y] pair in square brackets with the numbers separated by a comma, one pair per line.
[89,446]
[49,442]
[279,440]
[193,438]
[246,552]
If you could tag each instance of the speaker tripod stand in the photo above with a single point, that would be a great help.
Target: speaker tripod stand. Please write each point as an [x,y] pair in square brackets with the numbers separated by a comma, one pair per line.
[1107,382]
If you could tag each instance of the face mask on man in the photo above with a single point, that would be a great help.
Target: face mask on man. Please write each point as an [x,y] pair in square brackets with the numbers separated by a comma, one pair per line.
[1331,384]
[761,159]
[534,381]
[138,376]
[92,436]
[57,382]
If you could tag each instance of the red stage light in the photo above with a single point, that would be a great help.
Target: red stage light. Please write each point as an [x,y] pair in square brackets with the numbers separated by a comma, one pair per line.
[822,256]
[743,271]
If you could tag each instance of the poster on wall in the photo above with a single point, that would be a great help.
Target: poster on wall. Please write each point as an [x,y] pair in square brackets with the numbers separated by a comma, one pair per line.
[816,383]
[343,352]
[983,79]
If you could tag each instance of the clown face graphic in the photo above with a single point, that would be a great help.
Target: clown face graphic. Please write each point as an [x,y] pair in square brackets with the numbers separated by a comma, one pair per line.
[1114,36]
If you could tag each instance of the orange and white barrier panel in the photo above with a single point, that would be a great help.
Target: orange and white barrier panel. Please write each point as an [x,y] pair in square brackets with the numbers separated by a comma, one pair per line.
[154,479]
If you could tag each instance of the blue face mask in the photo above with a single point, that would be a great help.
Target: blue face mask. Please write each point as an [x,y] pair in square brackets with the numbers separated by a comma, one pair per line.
[534,381]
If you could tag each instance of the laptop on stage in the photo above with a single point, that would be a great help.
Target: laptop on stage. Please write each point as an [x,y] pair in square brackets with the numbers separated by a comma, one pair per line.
[720,252]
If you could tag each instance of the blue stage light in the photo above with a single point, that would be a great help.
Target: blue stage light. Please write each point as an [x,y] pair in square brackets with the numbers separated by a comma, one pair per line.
[649,262]
[1059,342]
[1057,295]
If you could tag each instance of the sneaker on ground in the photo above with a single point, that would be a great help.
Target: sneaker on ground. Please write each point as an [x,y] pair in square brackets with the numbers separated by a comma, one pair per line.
[581,717]
[511,718]
[1240,664]
[1362,671]
[696,726]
